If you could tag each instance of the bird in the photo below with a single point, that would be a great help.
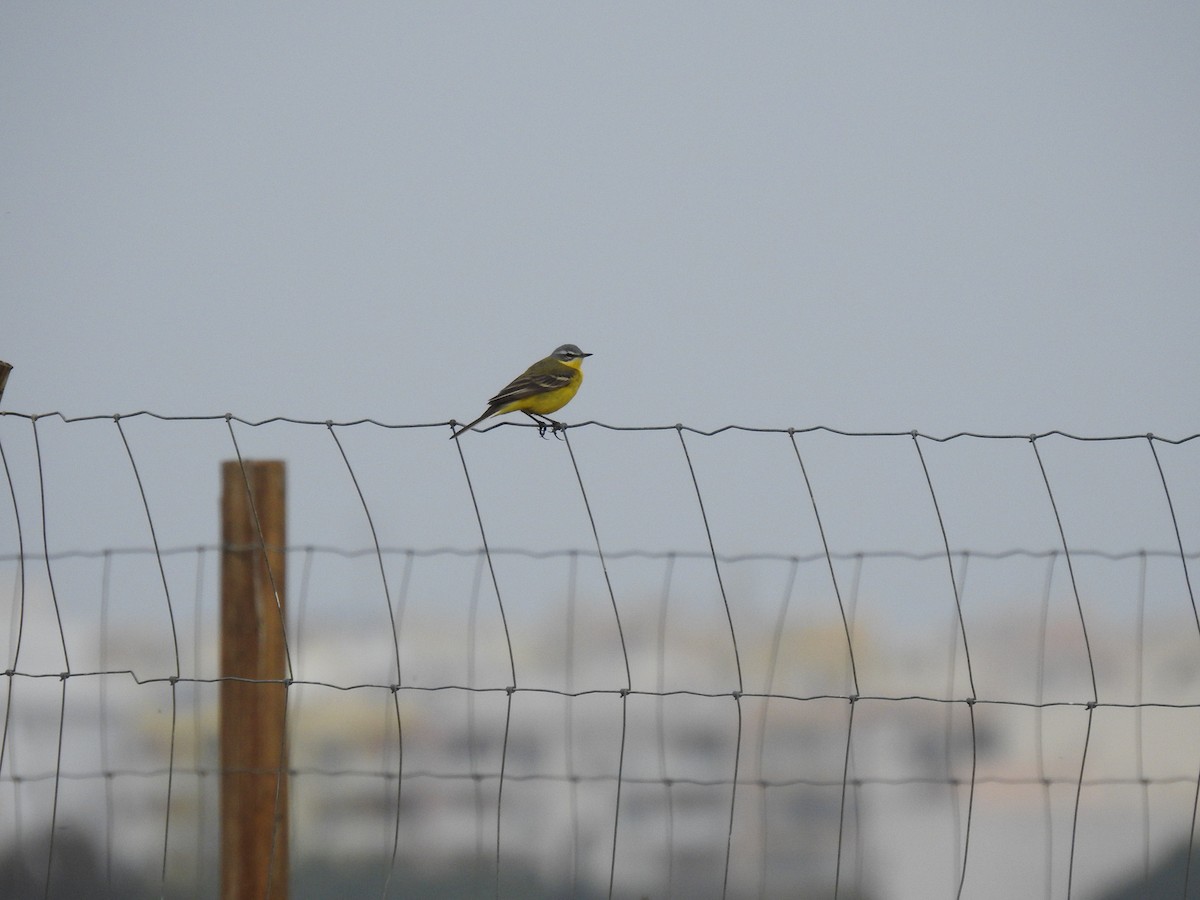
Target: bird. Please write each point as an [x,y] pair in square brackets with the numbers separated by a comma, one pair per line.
[545,387]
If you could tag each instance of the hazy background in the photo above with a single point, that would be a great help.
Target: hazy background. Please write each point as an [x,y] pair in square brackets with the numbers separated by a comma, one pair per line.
[868,217]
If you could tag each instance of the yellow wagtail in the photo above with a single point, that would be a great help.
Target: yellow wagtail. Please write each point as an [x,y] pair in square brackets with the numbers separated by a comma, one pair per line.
[546,386]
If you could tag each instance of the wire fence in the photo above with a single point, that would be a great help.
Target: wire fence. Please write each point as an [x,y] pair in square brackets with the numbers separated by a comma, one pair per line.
[598,665]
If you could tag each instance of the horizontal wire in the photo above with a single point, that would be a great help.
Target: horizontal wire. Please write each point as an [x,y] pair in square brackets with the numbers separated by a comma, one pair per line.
[606,692]
[564,552]
[602,778]
[750,429]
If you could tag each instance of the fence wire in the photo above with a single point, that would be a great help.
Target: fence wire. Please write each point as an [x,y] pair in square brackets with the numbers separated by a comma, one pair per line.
[790,746]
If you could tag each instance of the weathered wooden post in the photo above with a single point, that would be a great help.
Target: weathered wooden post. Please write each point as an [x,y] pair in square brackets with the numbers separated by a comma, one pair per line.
[254,757]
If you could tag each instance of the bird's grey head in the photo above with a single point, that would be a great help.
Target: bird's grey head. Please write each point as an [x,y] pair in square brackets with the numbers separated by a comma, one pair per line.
[568,352]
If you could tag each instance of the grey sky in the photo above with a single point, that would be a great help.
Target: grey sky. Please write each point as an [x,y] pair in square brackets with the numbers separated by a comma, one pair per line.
[872,216]
[865,216]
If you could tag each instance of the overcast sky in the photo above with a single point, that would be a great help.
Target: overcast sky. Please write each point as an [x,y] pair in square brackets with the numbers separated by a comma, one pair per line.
[868,216]
[862,216]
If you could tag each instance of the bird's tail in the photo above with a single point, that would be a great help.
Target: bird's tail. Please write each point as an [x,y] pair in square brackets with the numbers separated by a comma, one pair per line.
[472,425]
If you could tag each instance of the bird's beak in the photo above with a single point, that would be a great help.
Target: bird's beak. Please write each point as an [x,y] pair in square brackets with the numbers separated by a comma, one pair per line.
[585,354]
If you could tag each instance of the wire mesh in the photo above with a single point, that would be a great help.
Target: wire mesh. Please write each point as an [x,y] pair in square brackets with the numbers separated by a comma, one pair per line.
[600,666]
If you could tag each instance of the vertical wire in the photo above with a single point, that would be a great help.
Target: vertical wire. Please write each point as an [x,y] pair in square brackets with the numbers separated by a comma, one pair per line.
[737,758]
[962,627]
[487,553]
[1070,569]
[1087,736]
[712,550]
[362,500]
[603,562]
[854,694]
[612,864]
[512,663]
[162,572]
[1091,706]
[846,757]
[197,732]
[509,691]
[18,608]
[15,636]
[262,543]
[948,744]
[1187,580]
[828,560]
[401,603]
[624,655]
[174,680]
[737,695]
[62,634]
[395,690]
[280,774]
[62,725]
[395,648]
[848,764]
[970,795]
[18,818]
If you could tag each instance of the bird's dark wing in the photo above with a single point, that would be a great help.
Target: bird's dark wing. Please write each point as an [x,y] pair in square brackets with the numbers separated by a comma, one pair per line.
[547,375]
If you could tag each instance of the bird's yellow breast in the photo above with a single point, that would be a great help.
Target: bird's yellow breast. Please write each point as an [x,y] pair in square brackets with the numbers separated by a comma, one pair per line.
[548,401]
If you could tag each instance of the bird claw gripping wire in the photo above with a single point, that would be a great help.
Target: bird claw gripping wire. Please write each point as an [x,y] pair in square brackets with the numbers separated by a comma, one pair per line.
[555,428]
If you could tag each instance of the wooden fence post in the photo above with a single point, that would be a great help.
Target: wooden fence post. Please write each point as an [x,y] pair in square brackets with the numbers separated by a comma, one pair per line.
[254,758]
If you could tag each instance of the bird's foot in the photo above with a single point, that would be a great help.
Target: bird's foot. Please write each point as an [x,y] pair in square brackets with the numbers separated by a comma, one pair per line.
[553,427]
